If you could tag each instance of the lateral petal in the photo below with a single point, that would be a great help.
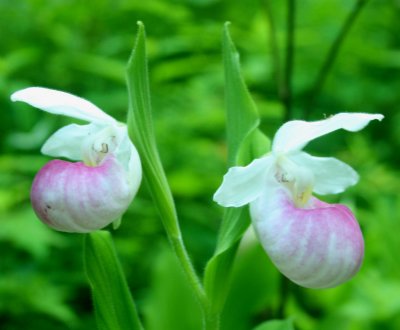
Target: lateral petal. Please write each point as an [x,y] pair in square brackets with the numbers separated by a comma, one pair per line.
[242,185]
[128,156]
[294,135]
[331,176]
[68,141]
[62,103]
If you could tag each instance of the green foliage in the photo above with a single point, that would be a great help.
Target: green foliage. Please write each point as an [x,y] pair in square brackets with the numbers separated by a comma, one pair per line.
[170,304]
[140,128]
[113,303]
[245,306]
[82,47]
[242,120]
[241,112]
[276,325]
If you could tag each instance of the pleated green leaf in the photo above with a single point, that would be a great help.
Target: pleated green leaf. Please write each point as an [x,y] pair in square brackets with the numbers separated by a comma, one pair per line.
[244,142]
[140,129]
[241,112]
[114,305]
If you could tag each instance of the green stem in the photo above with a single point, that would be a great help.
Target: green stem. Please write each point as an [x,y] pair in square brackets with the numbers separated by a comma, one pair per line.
[333,52]
[187,266]
[211,321]
[164,201]
[287,94]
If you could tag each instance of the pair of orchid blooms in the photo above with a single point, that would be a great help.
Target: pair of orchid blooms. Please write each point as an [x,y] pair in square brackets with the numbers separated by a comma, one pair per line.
[314,244]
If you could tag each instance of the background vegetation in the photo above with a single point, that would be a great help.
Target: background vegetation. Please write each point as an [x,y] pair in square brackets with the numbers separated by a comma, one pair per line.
[82,47]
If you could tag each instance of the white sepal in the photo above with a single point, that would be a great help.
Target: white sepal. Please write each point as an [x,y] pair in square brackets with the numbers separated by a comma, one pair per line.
[294,135]
[62,103]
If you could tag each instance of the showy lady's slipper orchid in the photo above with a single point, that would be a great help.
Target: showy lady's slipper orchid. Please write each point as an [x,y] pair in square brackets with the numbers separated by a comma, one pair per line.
[314,244]
[94,192]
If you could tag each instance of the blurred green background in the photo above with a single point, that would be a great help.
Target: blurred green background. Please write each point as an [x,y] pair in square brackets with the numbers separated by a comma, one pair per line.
[82,47]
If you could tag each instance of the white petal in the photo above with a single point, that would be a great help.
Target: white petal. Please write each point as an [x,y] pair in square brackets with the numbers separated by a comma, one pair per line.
[331,176]
[61,103]
[67,141]
[294,135]
[128,156]
[242,185]
[134,168]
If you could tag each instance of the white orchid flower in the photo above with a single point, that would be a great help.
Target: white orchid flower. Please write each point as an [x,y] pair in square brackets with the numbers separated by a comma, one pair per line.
[314,244]
[95,191]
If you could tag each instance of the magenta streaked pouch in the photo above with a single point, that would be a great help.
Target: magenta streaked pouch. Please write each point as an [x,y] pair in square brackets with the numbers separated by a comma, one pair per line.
[317,246]
[96,190]
[74,197]
[314,244]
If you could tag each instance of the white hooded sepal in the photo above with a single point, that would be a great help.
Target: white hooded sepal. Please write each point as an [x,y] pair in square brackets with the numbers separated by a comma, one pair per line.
[76,198]
[319,246]
[62,103]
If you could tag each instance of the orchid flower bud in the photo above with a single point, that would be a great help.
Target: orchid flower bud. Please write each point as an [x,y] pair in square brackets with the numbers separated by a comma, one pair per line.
[314,244]
[89,194]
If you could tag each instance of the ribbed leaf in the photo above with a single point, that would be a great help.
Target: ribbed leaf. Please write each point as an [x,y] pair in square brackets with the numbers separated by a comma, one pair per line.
[241,115]
[244,143]
[114,306]
[140,129]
